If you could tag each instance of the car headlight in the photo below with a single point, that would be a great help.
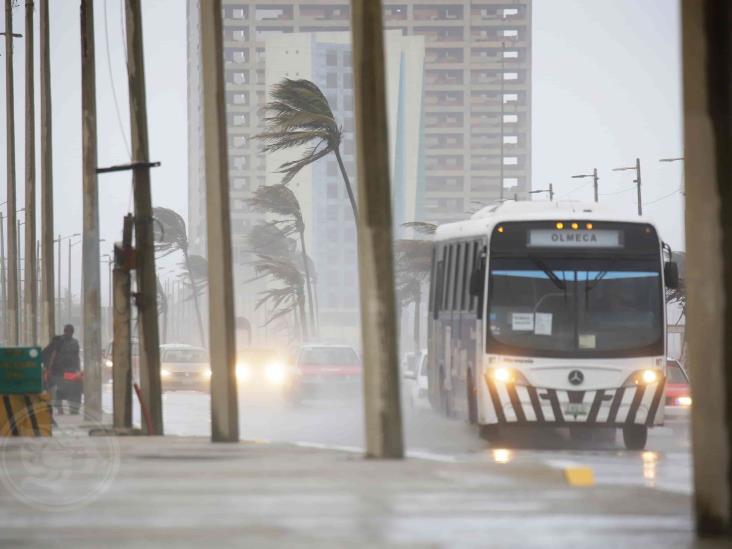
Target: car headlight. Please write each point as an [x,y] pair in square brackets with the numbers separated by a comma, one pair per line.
[504,374]
[275,373]
[108,363]
[207,373]
[164,373]
[243,372]
[643,377]
[683,401]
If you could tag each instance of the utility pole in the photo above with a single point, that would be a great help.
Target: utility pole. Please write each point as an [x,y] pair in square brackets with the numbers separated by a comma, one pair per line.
[91,309]
[375,258]
[13,332]
[550,191]
[503,83]
[146,280]
[30,291]
[121,343]
[595,181]
[3,281]
[222,328]
[637,181]
[48,296]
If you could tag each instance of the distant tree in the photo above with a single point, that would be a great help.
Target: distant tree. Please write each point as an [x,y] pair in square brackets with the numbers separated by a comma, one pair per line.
[171,236]
[280,201]
[289,297]
[299,115]
[412,266]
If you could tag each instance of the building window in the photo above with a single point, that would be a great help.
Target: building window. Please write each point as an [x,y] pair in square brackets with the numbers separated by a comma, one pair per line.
[510,97]
[239,35]
[238,13]
[510,12]
[241,77]
[240,56]
[510,182]
[510,139]
[510,54]
[332,80]
[240,98]
[510,118]
[510,161]
[510,76]
[332,58]
[510,33]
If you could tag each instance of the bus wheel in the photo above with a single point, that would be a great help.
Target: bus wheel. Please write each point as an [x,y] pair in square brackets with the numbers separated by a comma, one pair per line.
[491,434]
[635,436]
[472,404]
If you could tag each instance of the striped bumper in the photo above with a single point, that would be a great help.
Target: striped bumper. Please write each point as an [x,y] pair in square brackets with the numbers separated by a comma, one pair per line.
[25,415]
[519,404]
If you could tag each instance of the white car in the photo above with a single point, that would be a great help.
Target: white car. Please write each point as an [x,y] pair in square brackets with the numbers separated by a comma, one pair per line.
[184,367]
[415,381]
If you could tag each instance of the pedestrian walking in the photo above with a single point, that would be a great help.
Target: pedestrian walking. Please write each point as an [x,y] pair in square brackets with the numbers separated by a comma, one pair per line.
[63,365]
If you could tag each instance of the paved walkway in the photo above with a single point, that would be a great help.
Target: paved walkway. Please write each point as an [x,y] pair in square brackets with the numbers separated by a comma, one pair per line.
[76,490]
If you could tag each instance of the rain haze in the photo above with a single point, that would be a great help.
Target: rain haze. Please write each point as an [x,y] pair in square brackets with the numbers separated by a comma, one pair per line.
[532,331]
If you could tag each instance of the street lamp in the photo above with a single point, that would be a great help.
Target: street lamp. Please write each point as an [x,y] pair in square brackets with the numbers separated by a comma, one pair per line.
[595,179]
[550,190]
[637,181]
[677,159]
[58,241]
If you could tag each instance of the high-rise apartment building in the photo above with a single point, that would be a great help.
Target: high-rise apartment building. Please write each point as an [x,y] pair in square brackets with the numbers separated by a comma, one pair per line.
[476,97]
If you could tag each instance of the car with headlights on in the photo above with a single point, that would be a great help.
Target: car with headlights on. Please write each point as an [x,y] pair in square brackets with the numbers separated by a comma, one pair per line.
[107,360]
[262,370]
[325,370]
[184,367]
[678,390]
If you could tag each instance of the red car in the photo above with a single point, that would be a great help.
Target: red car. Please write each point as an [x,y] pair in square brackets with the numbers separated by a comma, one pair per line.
[678,390]
[325,369]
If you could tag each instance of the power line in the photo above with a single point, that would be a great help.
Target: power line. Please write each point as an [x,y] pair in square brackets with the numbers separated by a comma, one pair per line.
[574,190]
[662,198]
[114,91]
[619,192]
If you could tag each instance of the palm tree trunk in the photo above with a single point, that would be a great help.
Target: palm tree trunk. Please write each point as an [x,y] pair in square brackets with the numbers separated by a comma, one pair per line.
[301,310]
[347,183]
[417,318]
[308,282]
[195,299]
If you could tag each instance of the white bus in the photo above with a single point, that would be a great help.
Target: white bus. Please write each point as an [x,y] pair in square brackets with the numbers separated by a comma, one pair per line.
[550,314]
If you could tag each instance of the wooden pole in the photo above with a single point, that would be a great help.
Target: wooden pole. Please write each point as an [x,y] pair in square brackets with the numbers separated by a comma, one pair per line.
[121,342]
[90,235]
[3,281]
[375,259]
[48,296]
[707,79]
[146,281]
[13,333]
[30,291]
[222,327]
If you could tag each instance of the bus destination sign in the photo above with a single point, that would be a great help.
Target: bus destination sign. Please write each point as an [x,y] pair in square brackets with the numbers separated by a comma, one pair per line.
[550,238]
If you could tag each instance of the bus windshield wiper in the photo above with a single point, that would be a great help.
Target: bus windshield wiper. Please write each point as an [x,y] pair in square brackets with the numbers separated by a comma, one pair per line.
[558,282]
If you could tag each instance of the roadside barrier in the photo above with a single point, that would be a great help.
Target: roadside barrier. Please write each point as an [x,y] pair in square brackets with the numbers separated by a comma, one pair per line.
[25,416]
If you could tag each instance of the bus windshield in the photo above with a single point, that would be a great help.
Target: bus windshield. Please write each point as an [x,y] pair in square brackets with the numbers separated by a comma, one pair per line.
[575,306]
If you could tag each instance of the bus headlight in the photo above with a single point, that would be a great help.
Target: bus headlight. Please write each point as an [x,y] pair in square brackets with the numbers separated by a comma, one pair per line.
[206,373]
[275,373]
[684,401]
[164,373]
[504,374]
[108,363]
[643,377]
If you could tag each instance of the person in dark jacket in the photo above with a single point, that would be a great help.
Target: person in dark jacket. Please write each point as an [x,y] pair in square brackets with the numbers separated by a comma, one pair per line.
[64,370]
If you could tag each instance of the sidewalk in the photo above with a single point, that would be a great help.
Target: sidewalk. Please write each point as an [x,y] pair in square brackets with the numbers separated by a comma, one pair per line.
[135,491]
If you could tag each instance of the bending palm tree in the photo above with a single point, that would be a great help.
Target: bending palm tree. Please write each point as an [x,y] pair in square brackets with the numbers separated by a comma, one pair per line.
[280,200]
[300,115]
[171,235]
[287,299]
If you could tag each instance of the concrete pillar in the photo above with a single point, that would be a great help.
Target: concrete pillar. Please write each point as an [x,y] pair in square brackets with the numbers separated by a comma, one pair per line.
[707,59]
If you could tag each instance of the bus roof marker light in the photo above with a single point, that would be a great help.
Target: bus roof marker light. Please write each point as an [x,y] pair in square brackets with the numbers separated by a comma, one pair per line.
[560,225]
[500,229]
[575,226]
[589,226]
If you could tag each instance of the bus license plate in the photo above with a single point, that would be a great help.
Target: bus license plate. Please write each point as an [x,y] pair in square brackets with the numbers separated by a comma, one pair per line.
[577,409]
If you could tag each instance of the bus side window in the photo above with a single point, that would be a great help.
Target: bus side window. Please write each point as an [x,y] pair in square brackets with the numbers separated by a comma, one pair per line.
[458,272]
[477,282]
[467,270]
[447,281]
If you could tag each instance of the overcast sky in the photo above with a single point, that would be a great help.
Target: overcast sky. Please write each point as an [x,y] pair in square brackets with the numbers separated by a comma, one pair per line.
[606,89]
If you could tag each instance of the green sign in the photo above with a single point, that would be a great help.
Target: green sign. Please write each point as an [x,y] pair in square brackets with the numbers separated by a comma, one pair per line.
[20,370]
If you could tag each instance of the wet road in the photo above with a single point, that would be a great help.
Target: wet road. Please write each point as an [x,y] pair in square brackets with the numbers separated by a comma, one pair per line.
[333,423]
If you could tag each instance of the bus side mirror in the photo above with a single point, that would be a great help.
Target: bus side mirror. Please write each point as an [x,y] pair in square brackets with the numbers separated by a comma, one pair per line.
[671,275]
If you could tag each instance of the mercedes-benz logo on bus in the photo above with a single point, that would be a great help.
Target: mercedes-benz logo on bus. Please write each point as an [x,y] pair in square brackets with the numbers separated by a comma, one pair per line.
[576,377]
